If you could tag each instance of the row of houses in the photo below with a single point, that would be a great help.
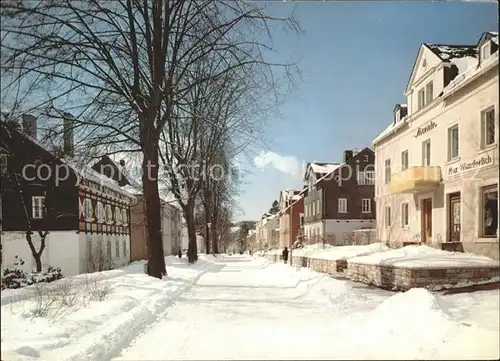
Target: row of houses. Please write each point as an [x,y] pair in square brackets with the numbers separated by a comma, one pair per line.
[430,177]
[336,199]
[90,213]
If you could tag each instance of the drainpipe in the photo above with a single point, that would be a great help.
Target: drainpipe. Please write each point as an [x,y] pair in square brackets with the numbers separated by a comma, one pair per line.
[323,198]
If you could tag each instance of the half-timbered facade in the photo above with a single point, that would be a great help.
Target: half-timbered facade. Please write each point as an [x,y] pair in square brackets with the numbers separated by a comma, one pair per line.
[85,214]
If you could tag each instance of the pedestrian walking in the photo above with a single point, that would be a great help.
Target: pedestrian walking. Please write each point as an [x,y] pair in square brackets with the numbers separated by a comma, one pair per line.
[285,255]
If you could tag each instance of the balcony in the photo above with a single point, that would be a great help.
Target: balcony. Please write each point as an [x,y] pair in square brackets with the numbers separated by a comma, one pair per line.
[416,180]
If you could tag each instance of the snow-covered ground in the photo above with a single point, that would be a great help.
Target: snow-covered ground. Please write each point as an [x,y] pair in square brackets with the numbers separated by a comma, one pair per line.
[422,256]
[240,307]
[346,252]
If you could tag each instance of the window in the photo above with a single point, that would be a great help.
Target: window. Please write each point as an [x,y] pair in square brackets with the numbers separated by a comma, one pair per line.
[366,205]
[109,214]
[387,171]
[88,209]
[486,51]
[37,203]
[421,99]
[342,205]
[117,248]
[319,207]
[387,217]
[426,153]
[429,93]
[100,212]
[404,215]
[366,178]
[118,215]
[124,248]
[124,217]
[490,211]
[453,143]
[488,127]
[108,249]
[404,160]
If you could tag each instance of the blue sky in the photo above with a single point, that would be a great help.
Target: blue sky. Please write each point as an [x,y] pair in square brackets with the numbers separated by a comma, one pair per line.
[356,58]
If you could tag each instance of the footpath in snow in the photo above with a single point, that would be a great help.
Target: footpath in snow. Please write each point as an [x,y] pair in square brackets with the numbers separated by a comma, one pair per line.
[239,307]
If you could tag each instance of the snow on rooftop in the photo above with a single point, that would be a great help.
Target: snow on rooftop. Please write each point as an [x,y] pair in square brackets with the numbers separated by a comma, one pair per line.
[392,128]
[324,168]
[333,169]
[421,256]
[463,64]
[473,70]
[450,52]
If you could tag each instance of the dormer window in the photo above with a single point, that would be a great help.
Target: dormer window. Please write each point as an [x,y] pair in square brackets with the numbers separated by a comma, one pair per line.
[486,51]
[397,116]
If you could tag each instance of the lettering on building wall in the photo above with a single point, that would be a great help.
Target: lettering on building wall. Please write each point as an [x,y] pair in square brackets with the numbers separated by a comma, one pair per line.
[483,161]
[427,128]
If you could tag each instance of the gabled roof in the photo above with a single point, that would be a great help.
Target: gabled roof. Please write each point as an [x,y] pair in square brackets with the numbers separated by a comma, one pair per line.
[488,35]
[81,169]
[319,168]
[448,52]
[398,106]
[339,168]
[460,55]
[413,68]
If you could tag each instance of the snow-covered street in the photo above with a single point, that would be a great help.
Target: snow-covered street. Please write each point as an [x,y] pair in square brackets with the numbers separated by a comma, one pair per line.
[239,307]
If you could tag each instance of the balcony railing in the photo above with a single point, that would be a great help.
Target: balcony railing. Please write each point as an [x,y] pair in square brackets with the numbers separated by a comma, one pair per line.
[416,180]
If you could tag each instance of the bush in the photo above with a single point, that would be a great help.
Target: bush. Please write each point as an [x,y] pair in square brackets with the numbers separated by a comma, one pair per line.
[16,278]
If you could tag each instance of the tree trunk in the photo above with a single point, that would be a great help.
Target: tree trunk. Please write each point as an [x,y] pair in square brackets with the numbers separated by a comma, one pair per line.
[213,230]
[156,261]
[192,252]
[207,229]
[37,255]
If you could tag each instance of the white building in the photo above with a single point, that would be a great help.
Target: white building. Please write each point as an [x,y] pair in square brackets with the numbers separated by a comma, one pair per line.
[437,163]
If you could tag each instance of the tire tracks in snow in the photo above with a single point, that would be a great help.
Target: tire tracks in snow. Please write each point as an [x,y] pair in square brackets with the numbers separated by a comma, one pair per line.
[109,342]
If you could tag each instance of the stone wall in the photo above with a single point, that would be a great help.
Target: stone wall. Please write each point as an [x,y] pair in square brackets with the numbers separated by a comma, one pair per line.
[394,278]
[331,267]
[402,279]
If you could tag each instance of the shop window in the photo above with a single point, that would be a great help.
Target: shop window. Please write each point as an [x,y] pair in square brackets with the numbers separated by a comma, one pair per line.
[490,211]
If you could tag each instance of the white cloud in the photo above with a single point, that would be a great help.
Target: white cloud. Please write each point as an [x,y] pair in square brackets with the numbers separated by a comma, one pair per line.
[284,163]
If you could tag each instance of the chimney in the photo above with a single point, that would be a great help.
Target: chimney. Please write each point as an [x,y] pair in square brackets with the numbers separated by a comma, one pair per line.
[29,125]
[68,137]
[347,155]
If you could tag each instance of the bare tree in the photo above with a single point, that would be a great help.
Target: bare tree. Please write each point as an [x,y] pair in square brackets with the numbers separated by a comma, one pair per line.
[125,67]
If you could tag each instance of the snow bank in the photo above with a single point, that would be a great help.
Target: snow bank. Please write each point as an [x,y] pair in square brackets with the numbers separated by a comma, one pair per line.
[12,295]
[345,252]
[310,249]
[417,325]
[76,332]
[421,256]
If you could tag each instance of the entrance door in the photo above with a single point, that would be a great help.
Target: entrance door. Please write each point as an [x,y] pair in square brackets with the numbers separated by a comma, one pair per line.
[426,220]
[454,217]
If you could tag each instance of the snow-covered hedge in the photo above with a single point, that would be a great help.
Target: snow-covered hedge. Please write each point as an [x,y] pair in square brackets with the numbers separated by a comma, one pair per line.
[15,277]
